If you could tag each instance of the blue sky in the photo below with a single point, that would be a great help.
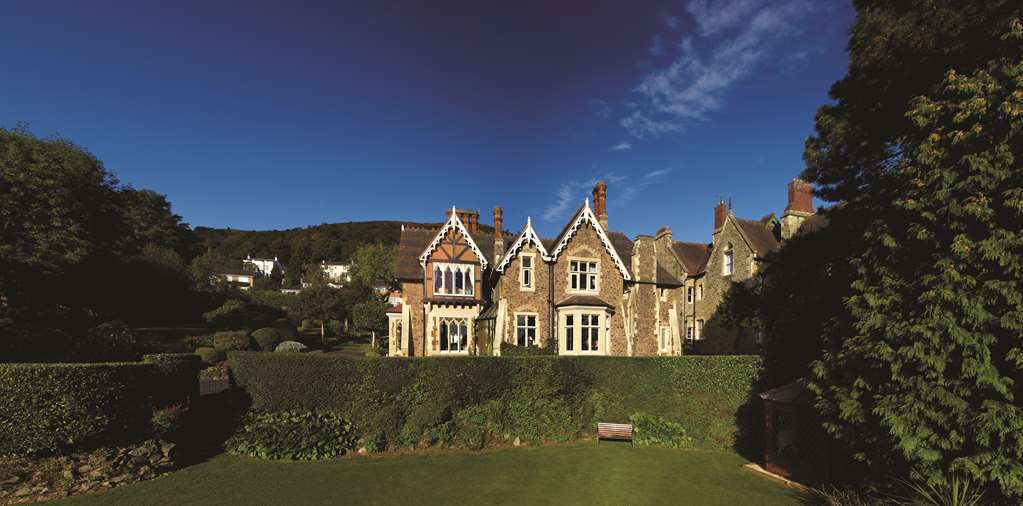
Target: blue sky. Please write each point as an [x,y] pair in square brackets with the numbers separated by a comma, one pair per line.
[259,115]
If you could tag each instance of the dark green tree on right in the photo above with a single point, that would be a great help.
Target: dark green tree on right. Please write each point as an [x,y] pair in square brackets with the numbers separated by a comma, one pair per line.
[924,147]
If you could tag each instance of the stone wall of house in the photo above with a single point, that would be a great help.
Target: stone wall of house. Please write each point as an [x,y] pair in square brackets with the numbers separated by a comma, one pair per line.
[519,300]
[646,309]
[587,244]
[716,338]
[413,294]
[673,303]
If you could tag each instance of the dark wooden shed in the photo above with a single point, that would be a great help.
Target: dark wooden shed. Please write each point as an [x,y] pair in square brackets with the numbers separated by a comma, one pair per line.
[794,444]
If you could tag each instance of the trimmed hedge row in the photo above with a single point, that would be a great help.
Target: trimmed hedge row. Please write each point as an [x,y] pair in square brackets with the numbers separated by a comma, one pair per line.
[405,402]
[46,408]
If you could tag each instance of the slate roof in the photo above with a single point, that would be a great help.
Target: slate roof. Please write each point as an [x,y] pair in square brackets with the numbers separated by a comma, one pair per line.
[694,255]
[415,239]
[666,278]
[760,237]
[584,300]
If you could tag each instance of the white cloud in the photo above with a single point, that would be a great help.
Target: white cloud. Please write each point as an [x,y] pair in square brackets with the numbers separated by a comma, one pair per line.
[733,38]
[671,22]
[657,45]
[621,190]
[601,107]
[621,146]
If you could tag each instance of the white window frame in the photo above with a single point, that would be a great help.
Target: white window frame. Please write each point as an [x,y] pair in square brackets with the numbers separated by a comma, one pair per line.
[689,332]
[699,330]
[576,314]
[458,322]
[535,328]
[699,291]
[689,294]
[664,339]
[728,261]
[522,272]
[590,276]
[468,272]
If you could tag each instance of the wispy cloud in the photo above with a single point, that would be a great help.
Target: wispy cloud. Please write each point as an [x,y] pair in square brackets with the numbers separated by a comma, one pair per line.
[622,188]
[733,37]
[601,107]
[621,146]
[671,22]
[656,45]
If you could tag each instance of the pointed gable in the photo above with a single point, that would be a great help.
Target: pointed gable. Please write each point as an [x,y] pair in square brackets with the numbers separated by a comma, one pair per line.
[528,236]
[582,216]
[453,224]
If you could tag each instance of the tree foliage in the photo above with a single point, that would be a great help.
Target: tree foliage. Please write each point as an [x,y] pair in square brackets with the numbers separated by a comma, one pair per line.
[373,264]
[923,146]
[320,303]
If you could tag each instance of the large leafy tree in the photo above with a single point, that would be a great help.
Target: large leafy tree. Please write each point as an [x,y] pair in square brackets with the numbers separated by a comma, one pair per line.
[923,146]
[319,303]
[373,265]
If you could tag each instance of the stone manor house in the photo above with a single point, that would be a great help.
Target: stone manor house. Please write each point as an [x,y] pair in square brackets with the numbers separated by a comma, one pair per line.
[587,291]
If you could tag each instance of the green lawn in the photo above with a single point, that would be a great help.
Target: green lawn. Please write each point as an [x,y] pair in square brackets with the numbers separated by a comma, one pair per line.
[568,474]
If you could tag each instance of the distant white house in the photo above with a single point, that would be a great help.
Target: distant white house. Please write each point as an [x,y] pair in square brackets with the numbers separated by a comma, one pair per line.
[265,266]
[336,272]
[239,278]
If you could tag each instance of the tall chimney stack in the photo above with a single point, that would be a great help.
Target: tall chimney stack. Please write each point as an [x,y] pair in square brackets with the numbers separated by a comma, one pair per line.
[720,213]
[600,203]
[798,209]
[498,234]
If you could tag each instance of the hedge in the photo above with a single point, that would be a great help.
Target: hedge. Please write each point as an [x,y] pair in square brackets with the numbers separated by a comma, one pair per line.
[47,408]
[176,377]
[410,401]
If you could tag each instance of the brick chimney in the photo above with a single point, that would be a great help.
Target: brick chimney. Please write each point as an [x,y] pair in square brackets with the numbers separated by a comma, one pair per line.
[498,234]
[600,203]
[799,208]
[720,213]
[471,219]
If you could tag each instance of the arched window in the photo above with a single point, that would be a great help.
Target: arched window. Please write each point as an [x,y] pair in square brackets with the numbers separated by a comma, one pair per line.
[448,282]
[443,336]
[463,334]
[459,284]
[438,280]
[469,285]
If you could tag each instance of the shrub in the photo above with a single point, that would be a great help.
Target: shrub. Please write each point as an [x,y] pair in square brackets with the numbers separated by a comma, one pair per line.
[468,400]
[237,314]
[45,408]
[168,421]
[651,430]
[294,435]
[230,341]
[291,347]
[209,355]
[177,377]
[107,341]
[285,328]
[266,339]
[195,342]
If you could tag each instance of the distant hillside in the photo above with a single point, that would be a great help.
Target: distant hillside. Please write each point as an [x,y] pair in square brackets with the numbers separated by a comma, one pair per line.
[328,241]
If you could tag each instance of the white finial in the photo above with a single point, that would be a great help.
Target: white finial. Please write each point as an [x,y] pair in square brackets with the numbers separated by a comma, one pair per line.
[402,227]
[529,221]
[587,202]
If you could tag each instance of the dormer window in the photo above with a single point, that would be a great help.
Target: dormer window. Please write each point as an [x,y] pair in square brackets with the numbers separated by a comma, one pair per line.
[582,276]
[453,279]
[526,277]
[728,261]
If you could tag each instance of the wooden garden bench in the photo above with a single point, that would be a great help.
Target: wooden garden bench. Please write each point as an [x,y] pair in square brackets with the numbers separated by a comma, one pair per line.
[615,431]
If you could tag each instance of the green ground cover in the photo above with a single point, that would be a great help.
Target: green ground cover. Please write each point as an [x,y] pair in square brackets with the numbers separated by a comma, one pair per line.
[583,473]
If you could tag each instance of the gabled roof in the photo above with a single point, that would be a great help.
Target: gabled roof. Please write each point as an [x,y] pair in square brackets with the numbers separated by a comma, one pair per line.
[585,215]
[456,224]
[415,238]
[756,233]
[665,278]
[527,236]
[693,255]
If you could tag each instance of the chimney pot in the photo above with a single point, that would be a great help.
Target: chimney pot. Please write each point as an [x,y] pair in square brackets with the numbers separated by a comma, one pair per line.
[720,212]
[800,196]
[600,203]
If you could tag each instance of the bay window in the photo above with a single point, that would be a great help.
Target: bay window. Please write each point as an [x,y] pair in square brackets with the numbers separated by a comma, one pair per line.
[453,279]
[582,332]
[452,334]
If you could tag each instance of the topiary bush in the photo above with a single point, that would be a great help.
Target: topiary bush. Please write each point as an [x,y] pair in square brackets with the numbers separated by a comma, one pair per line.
[291,347]
[293,435]
[468,401]
[236,340]
[238,314]
[209,355]
[651,430]
[45,408]
[285,328]
[266,339]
